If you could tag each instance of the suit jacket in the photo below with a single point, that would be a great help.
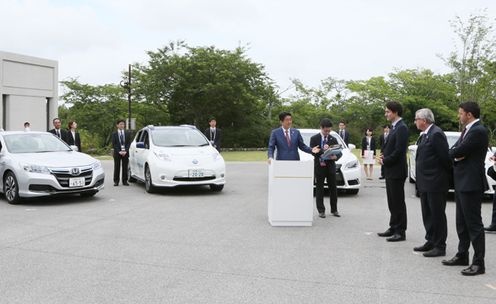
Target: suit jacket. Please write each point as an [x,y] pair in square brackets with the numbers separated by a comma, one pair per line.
[395,165]
[316,140]
[432,162]
[372,144]
[278,141]
[214,137]
[116,144]
[346,136]
[469,173]
[63,134]
[74,141]
[382,141]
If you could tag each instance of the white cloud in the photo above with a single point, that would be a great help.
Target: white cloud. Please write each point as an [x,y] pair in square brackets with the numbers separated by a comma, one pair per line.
[310,40]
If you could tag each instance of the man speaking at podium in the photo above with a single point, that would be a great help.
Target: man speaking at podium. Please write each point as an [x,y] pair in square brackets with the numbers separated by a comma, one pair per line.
[287,140]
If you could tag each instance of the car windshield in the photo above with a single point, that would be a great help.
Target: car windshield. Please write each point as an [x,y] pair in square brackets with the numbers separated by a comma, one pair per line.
[34,143]
[452,139]
[307,136]
[178,137]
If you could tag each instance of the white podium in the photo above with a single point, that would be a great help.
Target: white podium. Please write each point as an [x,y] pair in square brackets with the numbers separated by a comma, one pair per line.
[291,193]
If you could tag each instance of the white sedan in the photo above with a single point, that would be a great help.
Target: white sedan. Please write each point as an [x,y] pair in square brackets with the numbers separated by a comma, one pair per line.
[34,164]
[452,138]
[175,156]
[348,171]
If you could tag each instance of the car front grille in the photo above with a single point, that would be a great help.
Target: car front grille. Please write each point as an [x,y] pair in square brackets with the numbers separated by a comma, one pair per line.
[64,174]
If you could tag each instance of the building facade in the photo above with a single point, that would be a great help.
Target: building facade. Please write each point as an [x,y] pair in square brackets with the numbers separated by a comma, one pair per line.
[29,92]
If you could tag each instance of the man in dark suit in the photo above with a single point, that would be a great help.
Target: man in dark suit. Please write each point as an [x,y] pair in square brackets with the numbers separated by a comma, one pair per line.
[287,140]
[213,134]
[345,135]
[325,169]
[432,167]
[57,130]
[382,142]
[395,169]
[469,154]
[492,227]
[121,140]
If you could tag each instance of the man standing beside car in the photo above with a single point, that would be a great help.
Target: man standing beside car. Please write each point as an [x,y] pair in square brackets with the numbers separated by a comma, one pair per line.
[325,169]
[121,141]
[213,134]
[469,154]
[57,130]
[395,169]
[432,167]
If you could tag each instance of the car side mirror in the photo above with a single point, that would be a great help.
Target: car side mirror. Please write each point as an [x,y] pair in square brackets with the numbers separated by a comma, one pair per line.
[140,145]
[74,148]
[351,146]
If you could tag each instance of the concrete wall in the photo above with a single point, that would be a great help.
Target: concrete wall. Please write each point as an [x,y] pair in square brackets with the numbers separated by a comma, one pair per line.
[28,90]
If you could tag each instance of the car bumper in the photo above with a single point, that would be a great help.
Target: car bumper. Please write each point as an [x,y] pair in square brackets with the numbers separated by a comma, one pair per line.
[165,176]
[37,185]
[348,178]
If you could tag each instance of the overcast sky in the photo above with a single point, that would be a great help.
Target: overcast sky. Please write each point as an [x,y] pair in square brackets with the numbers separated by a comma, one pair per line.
[309,40]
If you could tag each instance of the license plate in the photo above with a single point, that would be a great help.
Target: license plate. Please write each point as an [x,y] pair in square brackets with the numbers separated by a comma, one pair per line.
[76,182]
[195,173]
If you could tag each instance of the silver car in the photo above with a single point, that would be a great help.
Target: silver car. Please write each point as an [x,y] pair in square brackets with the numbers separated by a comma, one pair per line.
[34,164]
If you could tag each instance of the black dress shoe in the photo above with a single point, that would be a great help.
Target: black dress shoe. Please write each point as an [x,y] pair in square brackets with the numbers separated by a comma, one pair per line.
[426,247]
[322,214]
[336,214]
[456,261]
[382,177]
[396,238]
[386,233]
[491,228]
[125,184]
[435,252]
[116,184]
[473,270]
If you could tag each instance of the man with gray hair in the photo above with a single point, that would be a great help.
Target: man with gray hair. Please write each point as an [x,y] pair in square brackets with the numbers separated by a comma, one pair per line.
[432,178]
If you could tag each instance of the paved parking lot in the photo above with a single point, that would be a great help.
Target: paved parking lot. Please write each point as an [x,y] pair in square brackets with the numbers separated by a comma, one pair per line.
[195,246]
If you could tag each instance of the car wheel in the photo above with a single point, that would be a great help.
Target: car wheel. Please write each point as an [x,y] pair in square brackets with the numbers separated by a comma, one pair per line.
[216,188]
[11,189]
[148,181]
[89,193]
[130,178]
[353,191]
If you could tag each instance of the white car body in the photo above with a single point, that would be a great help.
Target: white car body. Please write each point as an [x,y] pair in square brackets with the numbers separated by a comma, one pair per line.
[452,138]
[48,171]
[348,170]
[172,162]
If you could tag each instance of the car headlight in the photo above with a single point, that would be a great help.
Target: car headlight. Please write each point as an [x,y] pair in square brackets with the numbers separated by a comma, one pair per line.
[97,165]
[216,156]
[162,155]
[352,164]
[36,169]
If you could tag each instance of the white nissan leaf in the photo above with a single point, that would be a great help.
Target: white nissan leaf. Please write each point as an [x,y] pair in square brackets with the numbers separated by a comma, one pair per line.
[175,156]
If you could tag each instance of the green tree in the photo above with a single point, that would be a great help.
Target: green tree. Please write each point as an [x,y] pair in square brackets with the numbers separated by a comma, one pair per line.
[195,83]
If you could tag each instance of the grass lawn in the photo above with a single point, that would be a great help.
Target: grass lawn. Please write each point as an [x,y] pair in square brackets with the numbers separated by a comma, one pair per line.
[244,155]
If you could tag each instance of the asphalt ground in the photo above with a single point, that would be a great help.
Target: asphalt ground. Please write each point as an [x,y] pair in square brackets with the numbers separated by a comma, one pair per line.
[190,245]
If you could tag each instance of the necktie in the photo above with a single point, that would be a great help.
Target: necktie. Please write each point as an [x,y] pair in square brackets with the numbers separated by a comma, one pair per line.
[58,133]
[463,133]
[420,139]
[121,136]
[341,134]
[287,138]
